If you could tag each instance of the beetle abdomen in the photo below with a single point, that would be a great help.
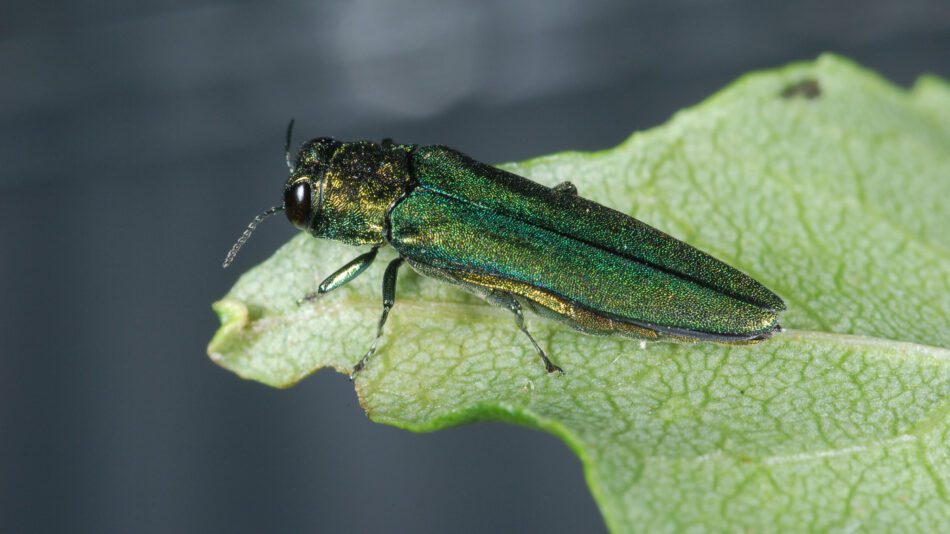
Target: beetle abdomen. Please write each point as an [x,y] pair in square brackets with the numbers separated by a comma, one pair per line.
[478,246]
[455,175]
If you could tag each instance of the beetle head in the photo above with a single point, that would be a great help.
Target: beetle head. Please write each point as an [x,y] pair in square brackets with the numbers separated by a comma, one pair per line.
[340,191]
[343,191]
[304,192]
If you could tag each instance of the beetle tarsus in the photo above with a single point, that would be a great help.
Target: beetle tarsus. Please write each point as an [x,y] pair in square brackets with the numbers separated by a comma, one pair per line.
[360,365]
[512,304]
[309,297]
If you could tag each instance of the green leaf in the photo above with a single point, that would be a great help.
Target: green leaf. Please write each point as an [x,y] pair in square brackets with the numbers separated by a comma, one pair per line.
[840,202]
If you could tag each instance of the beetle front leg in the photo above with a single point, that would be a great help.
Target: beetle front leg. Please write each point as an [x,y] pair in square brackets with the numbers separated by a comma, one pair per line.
[389,299]
[343,275]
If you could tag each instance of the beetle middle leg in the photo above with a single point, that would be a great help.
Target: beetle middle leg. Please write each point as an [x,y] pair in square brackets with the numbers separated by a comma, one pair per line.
[389,299]
[566,188]
[343,275]
[508,301]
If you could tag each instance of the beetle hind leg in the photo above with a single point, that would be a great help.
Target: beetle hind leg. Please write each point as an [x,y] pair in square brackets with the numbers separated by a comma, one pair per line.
[514,306]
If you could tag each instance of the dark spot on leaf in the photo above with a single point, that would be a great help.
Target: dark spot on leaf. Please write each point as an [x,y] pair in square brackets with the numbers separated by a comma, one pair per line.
[806,88]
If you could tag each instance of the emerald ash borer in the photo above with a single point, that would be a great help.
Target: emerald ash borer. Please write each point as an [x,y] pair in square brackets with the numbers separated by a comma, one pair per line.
[516,243]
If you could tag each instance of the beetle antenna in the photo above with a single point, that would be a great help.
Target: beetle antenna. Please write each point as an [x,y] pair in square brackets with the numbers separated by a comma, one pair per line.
[247,233]
[290,134]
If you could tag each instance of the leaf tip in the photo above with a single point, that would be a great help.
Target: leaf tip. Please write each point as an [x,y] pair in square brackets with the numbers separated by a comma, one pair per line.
[234,316]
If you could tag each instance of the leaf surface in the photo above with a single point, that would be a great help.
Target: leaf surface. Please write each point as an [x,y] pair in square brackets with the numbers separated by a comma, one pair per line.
[835,198]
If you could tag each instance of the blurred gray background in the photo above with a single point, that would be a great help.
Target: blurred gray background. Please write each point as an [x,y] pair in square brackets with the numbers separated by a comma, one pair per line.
[138,138]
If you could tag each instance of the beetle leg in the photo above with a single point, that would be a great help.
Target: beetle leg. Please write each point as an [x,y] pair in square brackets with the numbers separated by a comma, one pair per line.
[566,188]
[389,299]
[343,275]
[512,304]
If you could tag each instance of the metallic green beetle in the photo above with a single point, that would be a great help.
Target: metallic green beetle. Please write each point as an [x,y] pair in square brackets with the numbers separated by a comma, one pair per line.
[516,243]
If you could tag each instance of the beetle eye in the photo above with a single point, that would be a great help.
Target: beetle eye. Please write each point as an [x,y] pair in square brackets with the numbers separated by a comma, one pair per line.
[297,204]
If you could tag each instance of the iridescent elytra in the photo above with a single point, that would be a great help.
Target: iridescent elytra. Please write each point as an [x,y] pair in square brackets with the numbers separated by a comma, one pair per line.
[516,243]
